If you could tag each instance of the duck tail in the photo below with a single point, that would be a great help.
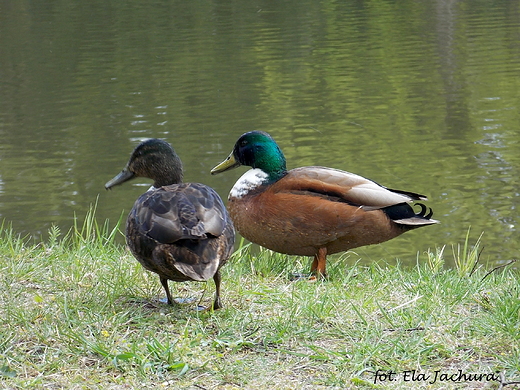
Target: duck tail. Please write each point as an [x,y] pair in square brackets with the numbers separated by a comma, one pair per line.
[404,214]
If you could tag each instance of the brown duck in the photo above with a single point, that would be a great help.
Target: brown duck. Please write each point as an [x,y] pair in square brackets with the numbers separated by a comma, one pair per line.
[180,231]
[312,211]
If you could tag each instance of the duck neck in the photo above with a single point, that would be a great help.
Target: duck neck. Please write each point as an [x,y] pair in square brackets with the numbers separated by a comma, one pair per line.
[272,162]
[275,175]
[167,180]
[168,172]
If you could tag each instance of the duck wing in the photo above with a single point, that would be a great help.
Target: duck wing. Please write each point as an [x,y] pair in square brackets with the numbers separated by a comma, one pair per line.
[341,186]
[180,212]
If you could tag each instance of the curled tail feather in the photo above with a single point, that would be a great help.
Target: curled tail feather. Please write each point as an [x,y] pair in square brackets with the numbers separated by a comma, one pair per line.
[404,214]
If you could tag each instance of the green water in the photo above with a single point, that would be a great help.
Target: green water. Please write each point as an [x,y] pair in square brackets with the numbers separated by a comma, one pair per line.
[416,95]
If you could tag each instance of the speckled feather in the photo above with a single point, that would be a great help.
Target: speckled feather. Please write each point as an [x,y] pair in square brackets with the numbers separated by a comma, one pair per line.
[180,231]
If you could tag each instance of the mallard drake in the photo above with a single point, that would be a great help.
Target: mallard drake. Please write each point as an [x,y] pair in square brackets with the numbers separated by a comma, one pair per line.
[312,211]
[180,231]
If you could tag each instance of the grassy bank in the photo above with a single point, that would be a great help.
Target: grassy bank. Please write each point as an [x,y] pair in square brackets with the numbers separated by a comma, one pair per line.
[79,312]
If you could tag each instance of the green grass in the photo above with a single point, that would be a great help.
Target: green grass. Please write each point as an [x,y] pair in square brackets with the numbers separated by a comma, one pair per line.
[79,312]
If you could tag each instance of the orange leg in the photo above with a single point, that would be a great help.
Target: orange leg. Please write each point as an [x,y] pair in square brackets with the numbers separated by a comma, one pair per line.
[319,263]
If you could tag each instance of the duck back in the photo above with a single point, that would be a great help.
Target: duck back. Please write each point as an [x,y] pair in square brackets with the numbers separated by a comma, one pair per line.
[181,231]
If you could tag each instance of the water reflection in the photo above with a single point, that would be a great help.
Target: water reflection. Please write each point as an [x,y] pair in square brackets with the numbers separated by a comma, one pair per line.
[418,95]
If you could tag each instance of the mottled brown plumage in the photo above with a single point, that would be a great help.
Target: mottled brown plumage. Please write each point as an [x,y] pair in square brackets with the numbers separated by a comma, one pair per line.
[312,211]
[181,231]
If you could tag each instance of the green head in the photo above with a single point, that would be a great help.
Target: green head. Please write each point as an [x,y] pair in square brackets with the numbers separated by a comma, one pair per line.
[154,159]
[256,149]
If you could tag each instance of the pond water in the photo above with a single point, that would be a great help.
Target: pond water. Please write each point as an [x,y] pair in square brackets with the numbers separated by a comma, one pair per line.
[416,95]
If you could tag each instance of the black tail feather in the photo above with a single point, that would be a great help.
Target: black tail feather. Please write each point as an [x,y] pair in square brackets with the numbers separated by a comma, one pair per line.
[399,211]
[403,213]
[424,209]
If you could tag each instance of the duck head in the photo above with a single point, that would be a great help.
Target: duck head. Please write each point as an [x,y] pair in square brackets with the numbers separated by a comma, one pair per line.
[256,149]
[154,159]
